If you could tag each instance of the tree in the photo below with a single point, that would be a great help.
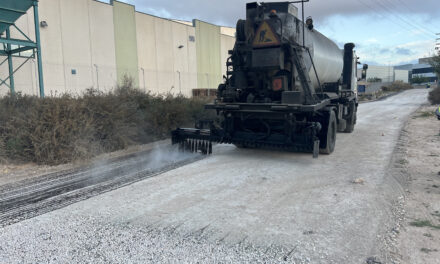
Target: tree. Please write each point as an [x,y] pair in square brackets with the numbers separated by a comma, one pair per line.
[419,79]
[375,79]
[434,95]
[435,63]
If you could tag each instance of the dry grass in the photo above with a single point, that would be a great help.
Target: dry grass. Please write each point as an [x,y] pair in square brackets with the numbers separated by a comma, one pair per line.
[386,90]
[424,223]
[64,129]
[397,86]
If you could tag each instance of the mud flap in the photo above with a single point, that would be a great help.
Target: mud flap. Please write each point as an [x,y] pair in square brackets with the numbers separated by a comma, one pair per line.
[316,149]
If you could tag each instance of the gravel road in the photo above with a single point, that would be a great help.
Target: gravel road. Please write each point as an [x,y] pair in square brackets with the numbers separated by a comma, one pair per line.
[239,205]
[38,195]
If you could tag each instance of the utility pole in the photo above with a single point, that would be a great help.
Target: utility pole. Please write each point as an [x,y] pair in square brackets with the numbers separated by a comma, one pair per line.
[180,84]
[389,72]
[97,76]
[11,67]
[437,44]
[143,78]
[38,50]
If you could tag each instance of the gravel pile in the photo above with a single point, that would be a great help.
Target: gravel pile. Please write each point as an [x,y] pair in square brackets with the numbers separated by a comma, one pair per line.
[88,240]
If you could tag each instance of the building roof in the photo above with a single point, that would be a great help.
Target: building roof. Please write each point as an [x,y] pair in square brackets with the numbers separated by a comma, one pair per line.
[404,67]
[421,66]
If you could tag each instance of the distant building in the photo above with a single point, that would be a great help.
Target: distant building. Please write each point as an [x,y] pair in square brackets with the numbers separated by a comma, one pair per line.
[382,73]
[406,73]
[407,67]
[424,71]
[425,60]
[88,43]
[401,75]
[387,74]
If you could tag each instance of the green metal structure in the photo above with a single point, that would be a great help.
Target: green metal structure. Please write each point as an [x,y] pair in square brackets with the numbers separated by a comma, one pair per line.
[10,12]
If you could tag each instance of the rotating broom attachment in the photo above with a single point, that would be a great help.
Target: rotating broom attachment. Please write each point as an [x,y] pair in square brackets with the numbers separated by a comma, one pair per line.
[196,146]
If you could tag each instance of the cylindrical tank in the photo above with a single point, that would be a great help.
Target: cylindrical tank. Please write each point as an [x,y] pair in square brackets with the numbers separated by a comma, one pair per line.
[327,57]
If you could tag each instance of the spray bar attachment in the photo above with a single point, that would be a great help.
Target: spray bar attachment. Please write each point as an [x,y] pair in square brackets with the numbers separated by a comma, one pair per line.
[193,140]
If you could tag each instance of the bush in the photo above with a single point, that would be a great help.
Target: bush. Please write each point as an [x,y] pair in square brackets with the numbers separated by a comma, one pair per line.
[419,79]
[396,86]
[63,129]
[434,95]
[375,79]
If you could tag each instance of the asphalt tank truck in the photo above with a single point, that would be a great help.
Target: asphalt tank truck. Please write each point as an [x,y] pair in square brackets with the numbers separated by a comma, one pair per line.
[287,87]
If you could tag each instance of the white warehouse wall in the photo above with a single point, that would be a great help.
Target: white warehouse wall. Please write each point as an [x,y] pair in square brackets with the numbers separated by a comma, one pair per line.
[103,46]
[227,43]
[401,75]
[160,58]
[386,73]
[80,36]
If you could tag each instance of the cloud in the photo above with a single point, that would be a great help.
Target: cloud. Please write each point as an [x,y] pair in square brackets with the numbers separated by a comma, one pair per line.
[228,11]
[384,51]
[376,30]
[372,40]
[379,54]
[404,51]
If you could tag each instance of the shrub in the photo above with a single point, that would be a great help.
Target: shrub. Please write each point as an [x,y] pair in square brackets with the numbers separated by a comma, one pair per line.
[396,86]
[57,130]
[375,79]
[434,95]
[419,79]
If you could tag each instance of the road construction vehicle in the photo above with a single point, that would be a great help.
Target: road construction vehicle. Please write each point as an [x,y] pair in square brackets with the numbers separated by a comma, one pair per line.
[287,86]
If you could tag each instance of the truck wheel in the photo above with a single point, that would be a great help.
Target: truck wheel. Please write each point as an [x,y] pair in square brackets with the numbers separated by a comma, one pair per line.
[329,139]
[351,120]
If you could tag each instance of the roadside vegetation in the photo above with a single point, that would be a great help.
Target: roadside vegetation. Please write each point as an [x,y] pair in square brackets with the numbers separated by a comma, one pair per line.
[386,90]
[424,223]
[57,130]
[396,86]
[434,95]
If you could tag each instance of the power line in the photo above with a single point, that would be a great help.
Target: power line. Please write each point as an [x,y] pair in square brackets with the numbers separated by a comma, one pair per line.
[414,11]
[411,21]
[389,18]
[400,18]
[383,16]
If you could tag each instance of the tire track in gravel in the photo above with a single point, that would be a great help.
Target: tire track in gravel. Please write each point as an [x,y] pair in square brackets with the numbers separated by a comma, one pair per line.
[27,199]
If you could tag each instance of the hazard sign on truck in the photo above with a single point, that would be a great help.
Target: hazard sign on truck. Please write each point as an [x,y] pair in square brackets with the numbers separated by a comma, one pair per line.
[265,37]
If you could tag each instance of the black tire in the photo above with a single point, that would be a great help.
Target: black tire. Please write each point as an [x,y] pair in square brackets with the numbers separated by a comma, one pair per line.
[328,141]
[351,120]
[240,146]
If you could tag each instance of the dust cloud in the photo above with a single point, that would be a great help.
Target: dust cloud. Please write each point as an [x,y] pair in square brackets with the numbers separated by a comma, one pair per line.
[159,158]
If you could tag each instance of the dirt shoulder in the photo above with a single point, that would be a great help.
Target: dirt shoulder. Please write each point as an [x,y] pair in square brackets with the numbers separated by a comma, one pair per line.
[11,173]
[417,168]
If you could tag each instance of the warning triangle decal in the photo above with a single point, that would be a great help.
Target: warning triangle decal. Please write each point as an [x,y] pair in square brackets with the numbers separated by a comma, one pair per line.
[265,37]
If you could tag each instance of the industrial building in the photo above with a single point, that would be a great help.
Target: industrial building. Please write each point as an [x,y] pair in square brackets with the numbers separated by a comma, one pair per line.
[425,71]
[383,73]
[378,76]
[388,74]
[87,43]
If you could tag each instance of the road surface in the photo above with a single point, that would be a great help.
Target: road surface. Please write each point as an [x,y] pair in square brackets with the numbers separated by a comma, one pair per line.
[239,205]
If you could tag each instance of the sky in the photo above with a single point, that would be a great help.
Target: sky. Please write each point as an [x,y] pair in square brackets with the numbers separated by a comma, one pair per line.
[386,32]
